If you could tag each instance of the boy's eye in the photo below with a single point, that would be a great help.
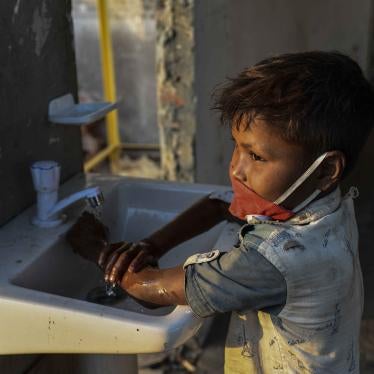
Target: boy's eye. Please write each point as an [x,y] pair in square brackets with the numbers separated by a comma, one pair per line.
[255,157]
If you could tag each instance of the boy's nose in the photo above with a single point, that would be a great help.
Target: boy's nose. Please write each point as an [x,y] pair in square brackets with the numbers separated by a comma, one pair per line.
[237,167]
[238,174]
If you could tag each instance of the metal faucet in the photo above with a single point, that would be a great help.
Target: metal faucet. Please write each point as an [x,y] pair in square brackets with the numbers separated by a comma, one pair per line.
[46,179]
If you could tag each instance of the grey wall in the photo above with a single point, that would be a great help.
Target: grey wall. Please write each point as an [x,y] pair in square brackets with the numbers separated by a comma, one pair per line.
[36,65]
[231,35]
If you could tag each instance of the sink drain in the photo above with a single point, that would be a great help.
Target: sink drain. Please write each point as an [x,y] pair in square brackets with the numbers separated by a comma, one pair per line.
[106,295]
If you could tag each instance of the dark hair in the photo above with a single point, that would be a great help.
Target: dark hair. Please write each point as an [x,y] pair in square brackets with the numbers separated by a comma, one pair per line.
[320,100]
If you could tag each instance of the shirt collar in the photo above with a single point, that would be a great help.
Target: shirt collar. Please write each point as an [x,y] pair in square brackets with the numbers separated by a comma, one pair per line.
[312,212]
[318,208]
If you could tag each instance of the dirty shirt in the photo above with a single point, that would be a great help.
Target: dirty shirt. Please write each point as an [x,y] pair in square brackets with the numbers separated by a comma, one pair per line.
[294,289]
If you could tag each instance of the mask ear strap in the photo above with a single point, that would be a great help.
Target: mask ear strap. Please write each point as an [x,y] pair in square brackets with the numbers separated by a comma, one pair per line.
[307,201]
[301,180]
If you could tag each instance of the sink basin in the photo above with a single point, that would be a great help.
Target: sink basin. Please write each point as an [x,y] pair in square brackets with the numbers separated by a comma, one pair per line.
[44,285]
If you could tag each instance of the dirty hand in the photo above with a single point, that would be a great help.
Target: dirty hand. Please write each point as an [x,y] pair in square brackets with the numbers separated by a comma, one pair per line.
[131,257]
[89,238]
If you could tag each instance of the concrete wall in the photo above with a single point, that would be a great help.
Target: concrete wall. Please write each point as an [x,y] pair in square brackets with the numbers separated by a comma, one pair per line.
[36,65]
[231,35]
[175,69]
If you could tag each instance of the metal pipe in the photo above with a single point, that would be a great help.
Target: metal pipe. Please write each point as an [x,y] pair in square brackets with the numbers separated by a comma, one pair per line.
[109,81]
[99,157]
[140,147]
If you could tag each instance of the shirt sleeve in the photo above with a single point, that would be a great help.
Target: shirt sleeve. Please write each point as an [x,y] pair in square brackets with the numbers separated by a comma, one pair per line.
[238,280]
[225,195]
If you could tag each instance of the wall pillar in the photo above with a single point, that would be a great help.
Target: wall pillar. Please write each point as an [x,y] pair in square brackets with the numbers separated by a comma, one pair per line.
[175,88]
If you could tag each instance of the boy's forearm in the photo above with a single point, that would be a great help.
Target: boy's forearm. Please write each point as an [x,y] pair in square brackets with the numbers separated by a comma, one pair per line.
[156,286]
[197,219]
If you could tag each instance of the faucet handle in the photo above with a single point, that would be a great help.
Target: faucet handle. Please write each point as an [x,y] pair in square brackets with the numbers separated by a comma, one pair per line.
[46,175]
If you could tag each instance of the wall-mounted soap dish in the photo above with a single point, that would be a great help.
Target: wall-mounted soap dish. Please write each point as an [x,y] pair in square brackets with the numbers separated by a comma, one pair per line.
[63,110]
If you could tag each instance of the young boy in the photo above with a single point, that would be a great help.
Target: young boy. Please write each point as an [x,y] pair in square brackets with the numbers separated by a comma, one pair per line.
[293,283]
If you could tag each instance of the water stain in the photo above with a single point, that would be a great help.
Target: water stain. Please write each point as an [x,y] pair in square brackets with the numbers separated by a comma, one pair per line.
[41,26]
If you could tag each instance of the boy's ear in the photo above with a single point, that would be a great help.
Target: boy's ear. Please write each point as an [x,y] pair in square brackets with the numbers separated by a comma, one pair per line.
[331,170]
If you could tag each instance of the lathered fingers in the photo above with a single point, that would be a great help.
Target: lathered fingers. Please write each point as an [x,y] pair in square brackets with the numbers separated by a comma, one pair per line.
[126,248]
[120,267]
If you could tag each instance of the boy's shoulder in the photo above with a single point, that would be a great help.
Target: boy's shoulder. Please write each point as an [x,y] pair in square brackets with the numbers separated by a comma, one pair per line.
[275,236]
[272,241]
[329,213]
[323,231]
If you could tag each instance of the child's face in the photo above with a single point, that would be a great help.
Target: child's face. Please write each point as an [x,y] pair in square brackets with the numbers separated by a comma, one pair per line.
[267,164]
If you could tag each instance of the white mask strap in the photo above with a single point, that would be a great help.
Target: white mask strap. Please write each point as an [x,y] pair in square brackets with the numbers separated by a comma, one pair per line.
[306,201]
[301,180]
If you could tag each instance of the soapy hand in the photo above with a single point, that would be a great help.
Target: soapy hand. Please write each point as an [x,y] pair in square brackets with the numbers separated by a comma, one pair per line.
[131,257]
[89,238]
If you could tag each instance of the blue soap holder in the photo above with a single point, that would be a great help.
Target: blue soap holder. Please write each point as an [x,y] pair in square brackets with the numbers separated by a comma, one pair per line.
[63,110]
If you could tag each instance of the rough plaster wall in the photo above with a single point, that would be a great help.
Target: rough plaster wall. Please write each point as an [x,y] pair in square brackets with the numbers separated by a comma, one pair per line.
[231,35]
[175,90]
[36,65]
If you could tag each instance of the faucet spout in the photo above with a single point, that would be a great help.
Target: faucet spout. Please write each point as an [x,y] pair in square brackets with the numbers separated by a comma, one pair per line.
[92,194]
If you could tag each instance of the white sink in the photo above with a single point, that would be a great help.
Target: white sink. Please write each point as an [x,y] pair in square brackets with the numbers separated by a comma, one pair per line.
[44,285]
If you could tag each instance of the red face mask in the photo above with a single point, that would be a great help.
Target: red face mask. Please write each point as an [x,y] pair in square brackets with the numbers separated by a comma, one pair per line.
[247,203]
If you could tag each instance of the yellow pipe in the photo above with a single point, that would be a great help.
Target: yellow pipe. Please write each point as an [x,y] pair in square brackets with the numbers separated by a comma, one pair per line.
[106,152]
[109,81]
[99,157]
[140,146]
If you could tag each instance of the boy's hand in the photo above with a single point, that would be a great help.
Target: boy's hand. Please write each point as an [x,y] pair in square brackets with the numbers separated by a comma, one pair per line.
[131,257]
[89,238]
[156,286]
